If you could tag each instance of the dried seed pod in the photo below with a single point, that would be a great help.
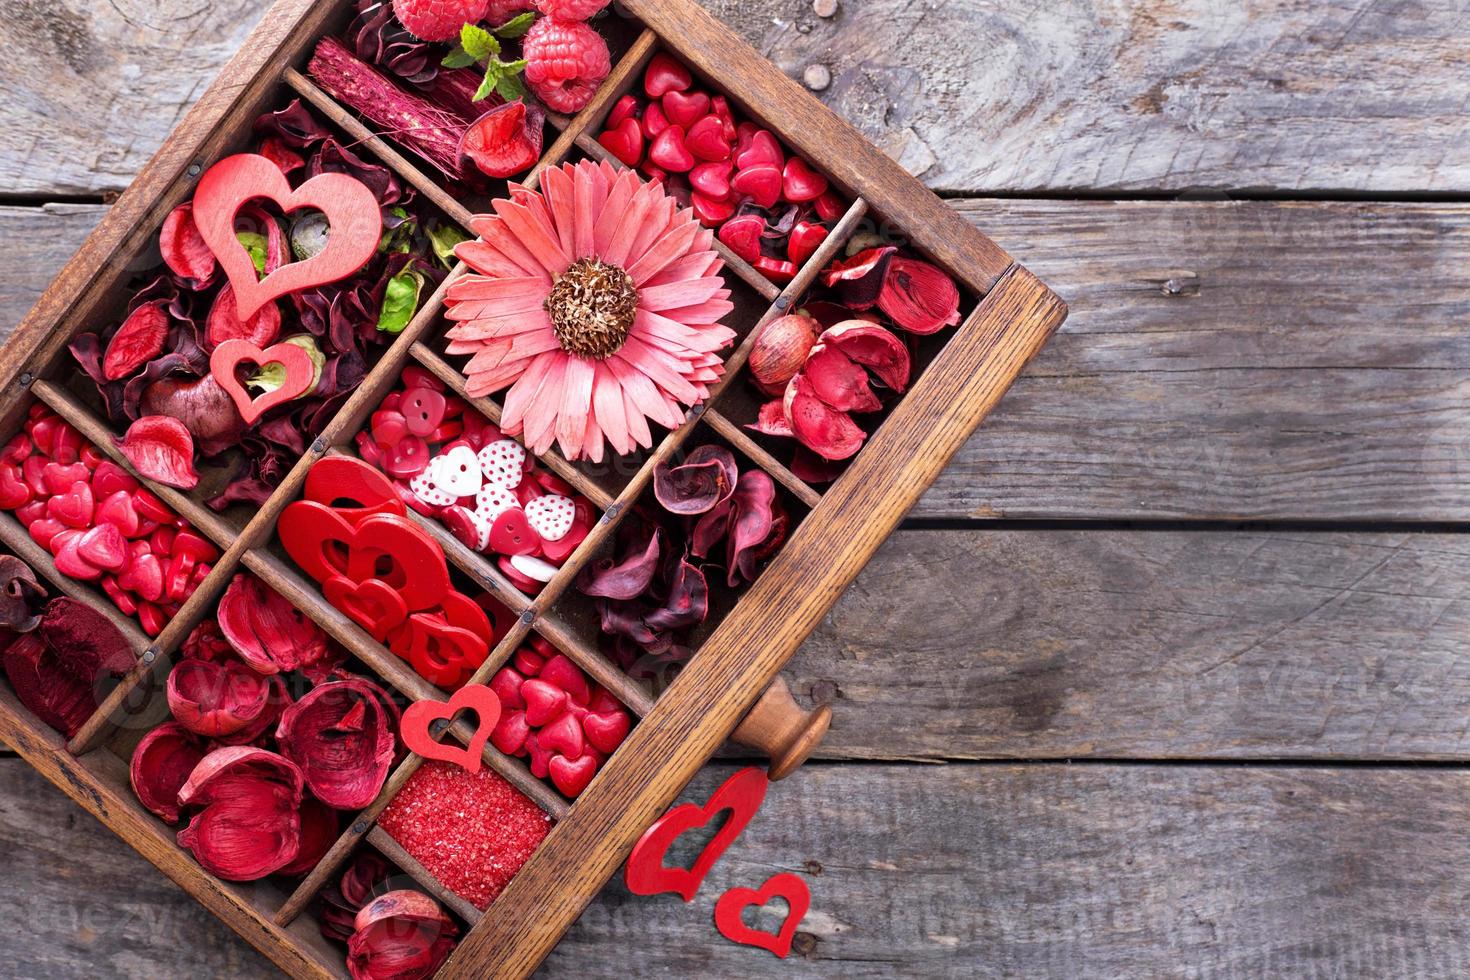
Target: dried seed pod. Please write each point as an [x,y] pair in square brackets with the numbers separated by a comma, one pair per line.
[920,297]
[875,348]
[249,824]
[58,670]
[829,433]
[267,631]
[21,596]
[782,348]
[320,825]
[404,935]
[705,479]
[341,902]
[840,382]
[216,699]
[162,764]
[341,735]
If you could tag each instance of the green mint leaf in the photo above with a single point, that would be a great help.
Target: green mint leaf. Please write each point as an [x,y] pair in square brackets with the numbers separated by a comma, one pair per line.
[458,58]
[513,67]
[444,238]
[477,42]
[255,244]
[510,88]
[488,86]
[400,301]
[518,27]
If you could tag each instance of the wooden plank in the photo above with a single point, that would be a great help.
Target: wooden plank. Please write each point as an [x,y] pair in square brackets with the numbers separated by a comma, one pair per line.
[1325,96]
[1148,645]
[965,870]
[1222,361]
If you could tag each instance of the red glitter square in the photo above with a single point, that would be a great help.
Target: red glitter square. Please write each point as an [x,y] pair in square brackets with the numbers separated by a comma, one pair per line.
[472,832]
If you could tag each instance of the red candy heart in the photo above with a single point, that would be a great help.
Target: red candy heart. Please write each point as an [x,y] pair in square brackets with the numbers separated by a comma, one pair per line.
[507,683]
[417,719]
[712,213]
[564,735]
[665,75]
[571,776]
[686,108]
[69,560]
[105,547]
[511,734]
[544,702]
[73,508]
[762,150]
[109,478]
[560,672]
[741,794]
[711,180]
[624,140]
[743,236]
[669,152]
[117,510]
[15,493]
[730,911]
[59,479]
[708,140]
[800,183]
[830,207]
[44,531]
[806,238]
[606,731]
[352,215]
[761,183]
[654,122]
[626,108]
[143,577]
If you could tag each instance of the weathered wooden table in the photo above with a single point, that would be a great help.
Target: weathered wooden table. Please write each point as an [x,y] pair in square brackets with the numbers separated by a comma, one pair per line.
[1167,676]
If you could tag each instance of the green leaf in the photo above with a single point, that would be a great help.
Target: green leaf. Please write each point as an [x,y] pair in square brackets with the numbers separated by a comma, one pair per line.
[510,88]
[517,27]
[477,42]
[400,238]
[400,301]
[489,85]
[255,244]
[458,58]
[444,238]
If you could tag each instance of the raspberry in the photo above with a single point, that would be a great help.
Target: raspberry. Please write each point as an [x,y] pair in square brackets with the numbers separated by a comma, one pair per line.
[438,20]
[502,11]
[566,62]
[570,9]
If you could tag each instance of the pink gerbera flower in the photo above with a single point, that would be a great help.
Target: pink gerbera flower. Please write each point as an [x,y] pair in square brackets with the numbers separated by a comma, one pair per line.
[598,302]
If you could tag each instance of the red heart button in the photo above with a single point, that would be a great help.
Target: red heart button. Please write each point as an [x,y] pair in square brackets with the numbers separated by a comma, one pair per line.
[350,207]
[646,874]
[731,907]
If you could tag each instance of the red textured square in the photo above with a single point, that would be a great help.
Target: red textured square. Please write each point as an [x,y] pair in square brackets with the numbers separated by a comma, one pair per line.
[472,832]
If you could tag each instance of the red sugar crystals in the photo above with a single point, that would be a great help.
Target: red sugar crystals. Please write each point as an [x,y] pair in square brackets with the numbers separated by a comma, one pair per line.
[472,832]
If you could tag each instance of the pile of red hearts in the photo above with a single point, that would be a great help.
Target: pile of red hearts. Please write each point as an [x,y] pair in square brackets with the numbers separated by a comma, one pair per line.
[452,464]
[99,523]
[771,208]
[555,716]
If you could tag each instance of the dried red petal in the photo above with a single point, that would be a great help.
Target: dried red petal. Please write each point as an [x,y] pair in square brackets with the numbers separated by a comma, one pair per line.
[341,902]
[224,322]
[206,409]
[341,735]
[875,348]
[506,140]
[139,340]
[403,935]
[627,580]
[21,596]
[772,421]
[688,601]
[706,479]
[756,509]
[827,432]
[184,249]
[162,450]
[258,731]
[320,827]
[859,281]
[249,825]
[919,297]
[266,630]
[216,699]
[162,764]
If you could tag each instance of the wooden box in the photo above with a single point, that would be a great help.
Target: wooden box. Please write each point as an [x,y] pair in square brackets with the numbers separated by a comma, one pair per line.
[966,371]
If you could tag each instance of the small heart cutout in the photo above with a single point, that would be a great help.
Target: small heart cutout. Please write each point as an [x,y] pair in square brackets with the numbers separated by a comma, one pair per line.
[418,719]
[729,911]
[350,207]
[374,605]
[646,874]
[225,362]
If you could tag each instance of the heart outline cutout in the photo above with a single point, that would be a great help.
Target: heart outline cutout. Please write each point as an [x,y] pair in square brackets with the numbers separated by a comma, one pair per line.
[351,208]
[420,573]
[414,729]
[646,874]
[227,358]
[374,605]
[732,904]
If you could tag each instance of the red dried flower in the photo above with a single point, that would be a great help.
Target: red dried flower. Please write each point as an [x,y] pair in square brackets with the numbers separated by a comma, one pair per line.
[341,902]
[250,822]
[162,764]
[216,699]
[404,935]
[341,735]
[320,825]
[56,671]
[266,630]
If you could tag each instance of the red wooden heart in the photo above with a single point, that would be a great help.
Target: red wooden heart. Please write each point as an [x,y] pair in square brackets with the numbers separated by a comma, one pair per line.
[383,546]
[341,478]
[351,209]
[734,902]
[224,365]
[439,652]
[646,874]
[422,714]
[373,605]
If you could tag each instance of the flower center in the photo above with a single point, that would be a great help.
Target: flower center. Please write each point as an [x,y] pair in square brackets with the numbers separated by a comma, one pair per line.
[592,306]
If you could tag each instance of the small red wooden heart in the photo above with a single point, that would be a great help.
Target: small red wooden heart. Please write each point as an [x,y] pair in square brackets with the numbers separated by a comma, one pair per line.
[439,652]
[353,217]
[326,545]
[646,874]
[373,605]
[417,720]
[224,365]
[733,903]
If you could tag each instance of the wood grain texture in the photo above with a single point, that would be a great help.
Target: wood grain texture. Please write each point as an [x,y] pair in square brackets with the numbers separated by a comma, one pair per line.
[957,871]
[1148,645]
[1222,361]
[1074,95]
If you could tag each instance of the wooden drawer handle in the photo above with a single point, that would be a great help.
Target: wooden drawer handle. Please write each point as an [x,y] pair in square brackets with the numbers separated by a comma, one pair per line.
[780,728]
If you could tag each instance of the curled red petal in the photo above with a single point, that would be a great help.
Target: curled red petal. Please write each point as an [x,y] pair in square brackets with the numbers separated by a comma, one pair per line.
[626,580]
[266,630]
[216,699]
[401,935]
[829,433]
[875,348]
[919,297]
[840,382]
[688,601]
[341,902]
[341,736]
[162,450]
[756,506]
[248,823]
[224,322]
[161,764]
[184,249]
[859,281]
[705,480]
[320,827]
[139,340]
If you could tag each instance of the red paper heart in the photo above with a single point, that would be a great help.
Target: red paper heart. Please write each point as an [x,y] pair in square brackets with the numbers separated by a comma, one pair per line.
[732,904]
[350,207]
[224,364]
[741,794]
[418,718]
[349,204]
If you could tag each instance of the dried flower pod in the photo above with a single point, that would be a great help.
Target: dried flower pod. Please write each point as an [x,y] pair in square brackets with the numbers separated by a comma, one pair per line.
[341,735]
[875,348]
[920,297]
[162,764]
[21,596]
[341,902]
[827,432]
[250,822]
[277,700]
[320,826]
[404,935]
[267,631]
[216,699]
[161,449]
[859,281]
[840,382]
[57,670]
[705,480]
[782,348]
